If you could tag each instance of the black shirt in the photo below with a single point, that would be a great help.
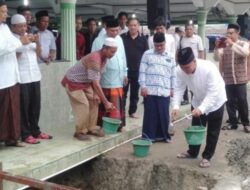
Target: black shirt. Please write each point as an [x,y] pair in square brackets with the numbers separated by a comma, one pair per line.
[89,39]
[134,49]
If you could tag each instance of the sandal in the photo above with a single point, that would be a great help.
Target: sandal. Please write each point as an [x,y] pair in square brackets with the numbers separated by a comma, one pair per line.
[14,143]
[97,133]
[205,163]
[121,129]
[44,136]
[169,141]
[31,140]
[81,136]
[229,127]
[133,116]
[184,155]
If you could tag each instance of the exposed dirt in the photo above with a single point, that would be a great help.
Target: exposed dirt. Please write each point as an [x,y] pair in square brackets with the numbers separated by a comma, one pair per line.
[238,156]
[125,172]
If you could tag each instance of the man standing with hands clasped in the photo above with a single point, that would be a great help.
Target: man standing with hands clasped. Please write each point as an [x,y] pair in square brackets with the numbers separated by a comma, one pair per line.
[204,80]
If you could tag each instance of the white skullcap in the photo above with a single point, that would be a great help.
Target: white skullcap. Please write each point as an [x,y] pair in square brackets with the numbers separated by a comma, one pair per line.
[17,19]
[181,28]
[111,42]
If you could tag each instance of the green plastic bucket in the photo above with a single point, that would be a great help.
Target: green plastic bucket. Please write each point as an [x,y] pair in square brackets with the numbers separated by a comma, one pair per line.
[110,125]
[141,147]
[195,135]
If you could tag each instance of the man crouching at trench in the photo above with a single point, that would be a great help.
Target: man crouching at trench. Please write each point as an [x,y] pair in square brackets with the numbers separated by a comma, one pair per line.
[84,91]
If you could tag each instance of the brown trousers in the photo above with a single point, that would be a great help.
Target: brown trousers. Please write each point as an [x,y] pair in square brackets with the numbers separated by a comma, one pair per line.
[84,105]
[10,113]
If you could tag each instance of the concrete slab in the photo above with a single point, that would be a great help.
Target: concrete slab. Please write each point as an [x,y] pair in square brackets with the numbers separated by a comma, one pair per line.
[51,157]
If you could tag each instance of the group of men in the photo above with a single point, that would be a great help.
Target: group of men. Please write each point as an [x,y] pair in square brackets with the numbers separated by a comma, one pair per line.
[19,82]
[97,85]
[154,70]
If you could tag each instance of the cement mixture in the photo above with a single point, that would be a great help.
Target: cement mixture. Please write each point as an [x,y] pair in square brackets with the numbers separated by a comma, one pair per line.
[161,170]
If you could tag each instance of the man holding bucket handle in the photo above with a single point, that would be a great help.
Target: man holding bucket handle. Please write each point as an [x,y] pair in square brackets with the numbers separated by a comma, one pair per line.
[203,78]
[85,93]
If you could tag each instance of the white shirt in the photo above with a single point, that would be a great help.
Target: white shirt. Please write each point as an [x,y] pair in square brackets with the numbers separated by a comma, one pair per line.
[27,63]
[115,68]
[176,39]
[170,44]
[206,84]
[47,42]
[102,32]
[194,42]
[123,30]
[9,74]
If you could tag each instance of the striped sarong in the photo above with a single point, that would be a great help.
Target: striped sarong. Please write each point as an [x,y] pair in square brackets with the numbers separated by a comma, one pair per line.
[115,96]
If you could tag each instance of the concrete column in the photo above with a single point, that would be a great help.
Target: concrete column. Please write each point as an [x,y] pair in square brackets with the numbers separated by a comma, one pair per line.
[68,37]
[231,19]
[201,14]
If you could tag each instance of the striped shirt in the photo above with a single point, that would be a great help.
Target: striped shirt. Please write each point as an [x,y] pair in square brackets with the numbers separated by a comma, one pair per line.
[157,73]
[81,75]
[116,67]
[87,69]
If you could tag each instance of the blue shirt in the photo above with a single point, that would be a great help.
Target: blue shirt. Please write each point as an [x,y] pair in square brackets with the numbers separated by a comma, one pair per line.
[116,68]
[157,73]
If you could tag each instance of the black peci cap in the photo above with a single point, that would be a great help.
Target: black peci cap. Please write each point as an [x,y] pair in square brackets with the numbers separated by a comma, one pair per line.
[159,37]
[22,8]
[106,18]
[185,56]
[41,14]
[111,23]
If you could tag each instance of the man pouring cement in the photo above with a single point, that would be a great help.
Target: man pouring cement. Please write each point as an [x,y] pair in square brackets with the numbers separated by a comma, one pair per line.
[203,78]
[83,88]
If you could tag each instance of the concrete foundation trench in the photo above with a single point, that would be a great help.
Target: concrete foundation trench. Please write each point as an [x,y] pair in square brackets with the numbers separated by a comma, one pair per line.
[113,173]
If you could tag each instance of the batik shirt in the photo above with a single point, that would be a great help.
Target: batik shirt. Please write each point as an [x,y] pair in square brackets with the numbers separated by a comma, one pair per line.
[157,73]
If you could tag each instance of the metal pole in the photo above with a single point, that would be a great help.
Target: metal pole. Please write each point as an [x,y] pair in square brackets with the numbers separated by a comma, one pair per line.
[33,182]
[1,180]
[185,117]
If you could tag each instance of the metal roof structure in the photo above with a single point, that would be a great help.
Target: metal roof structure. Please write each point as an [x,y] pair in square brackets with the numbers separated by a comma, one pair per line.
[179,9]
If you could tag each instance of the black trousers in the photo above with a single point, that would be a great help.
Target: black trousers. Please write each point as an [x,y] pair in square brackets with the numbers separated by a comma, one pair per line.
[213,121]
[237,99]
[185,95]
[134,92]
[30,109]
